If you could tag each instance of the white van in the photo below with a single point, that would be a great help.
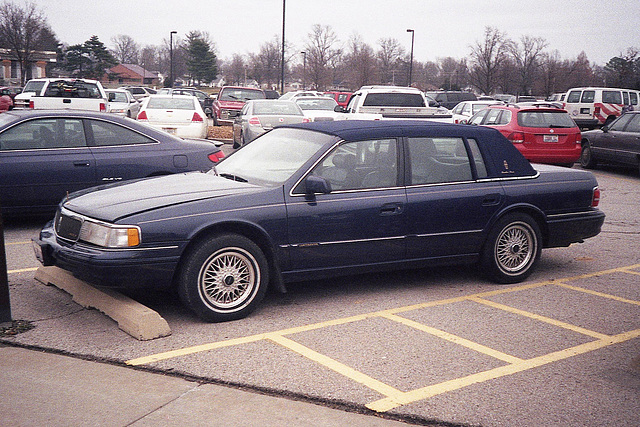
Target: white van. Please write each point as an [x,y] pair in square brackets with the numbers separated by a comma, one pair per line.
[592,107]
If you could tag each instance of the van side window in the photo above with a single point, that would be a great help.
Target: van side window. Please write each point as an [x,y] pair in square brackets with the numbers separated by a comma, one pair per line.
[625,98]
[633,97]
[574,96]
[588,96]
[611,97]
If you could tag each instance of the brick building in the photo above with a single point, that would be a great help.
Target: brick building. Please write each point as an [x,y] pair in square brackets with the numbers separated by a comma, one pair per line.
[130,74]
[10,73]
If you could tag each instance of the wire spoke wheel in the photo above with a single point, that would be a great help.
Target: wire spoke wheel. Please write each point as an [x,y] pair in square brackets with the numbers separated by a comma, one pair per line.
[228,278]
[515,247]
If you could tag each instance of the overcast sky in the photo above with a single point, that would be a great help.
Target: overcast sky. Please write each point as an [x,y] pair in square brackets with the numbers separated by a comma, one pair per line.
[602,29]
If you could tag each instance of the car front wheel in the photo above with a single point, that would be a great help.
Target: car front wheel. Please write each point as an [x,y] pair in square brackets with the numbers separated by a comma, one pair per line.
[223,278]
[512,249]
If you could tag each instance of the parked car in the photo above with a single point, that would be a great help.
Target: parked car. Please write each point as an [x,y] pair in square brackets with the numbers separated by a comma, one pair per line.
[139,92]
[47,154]
[319,108]
[230,101]
[261,115]
[206,102]
[122,103]
[542,135]
[179,115]
[342,98]
[466,109]
[271,94]
[298,93]
[31,88]
[322,199]
[616,143]
[12,91]
[450,98]
[593,107]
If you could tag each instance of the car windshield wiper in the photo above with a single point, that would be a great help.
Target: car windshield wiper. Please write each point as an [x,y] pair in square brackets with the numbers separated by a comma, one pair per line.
[233,177]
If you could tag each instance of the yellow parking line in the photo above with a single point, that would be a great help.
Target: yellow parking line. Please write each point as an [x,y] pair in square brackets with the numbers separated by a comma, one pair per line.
[18,243]
[454,339]
[392,402]
[541,318]
[600,294]
[336,366]
[22,270]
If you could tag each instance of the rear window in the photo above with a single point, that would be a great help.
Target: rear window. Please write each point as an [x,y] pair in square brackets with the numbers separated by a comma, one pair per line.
[72,89]
[171,104]
[588,96]
[394,100]
[545,119]
[266,108]
[574,96]
[33,86]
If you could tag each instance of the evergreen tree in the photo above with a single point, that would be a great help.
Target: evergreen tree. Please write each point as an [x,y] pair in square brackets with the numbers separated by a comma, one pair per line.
[202,63]
[88,60]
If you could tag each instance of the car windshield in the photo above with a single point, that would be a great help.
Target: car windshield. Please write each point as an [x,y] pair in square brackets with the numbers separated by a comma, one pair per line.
[316,104]
[170,103]
[545,119]
[273,158]
[241,94]
[117,97]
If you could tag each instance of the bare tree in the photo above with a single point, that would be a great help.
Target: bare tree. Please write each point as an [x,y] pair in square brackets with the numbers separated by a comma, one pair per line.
[265,65]
[23,31]
[526,57]
[125,49]
[361,62]
[487,57]
[321,51]
[390,55]
[235,70]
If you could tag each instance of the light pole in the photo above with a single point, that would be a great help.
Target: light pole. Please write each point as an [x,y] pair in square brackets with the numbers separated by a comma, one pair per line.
[171,57]
[304,70]
[282,59]
[411,62]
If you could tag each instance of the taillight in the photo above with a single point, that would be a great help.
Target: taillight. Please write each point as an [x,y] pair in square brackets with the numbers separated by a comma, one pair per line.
[306,120]
[103,107]
[31,104]
[595,199]
[254,121]
[142,115]
[596,111]
[196,117]
[516,137]
[216,157]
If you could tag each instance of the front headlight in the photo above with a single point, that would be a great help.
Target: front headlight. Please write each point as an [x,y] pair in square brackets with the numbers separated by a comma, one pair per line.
[109,236]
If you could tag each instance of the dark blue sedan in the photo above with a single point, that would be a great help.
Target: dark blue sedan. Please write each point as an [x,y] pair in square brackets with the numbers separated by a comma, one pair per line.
[322,199]
[47,154]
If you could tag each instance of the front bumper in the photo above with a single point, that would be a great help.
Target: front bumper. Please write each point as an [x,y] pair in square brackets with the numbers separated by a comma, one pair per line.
[151,267]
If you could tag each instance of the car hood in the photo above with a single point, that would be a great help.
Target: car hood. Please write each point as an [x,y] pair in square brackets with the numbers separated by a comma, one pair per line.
[113,201]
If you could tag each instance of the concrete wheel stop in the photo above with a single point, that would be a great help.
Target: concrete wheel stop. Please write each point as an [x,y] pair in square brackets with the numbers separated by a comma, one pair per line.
[137,320]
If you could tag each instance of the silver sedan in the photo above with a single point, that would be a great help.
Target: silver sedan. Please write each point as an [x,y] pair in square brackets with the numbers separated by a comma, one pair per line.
[261,115]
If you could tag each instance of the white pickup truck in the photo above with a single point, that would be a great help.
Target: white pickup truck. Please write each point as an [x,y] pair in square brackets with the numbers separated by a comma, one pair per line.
[74,94]
[394,102]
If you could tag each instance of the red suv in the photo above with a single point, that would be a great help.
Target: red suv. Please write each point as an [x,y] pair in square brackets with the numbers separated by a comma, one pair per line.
[543,135]
[230,101]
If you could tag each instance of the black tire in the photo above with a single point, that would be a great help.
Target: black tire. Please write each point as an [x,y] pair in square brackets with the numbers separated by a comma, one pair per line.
[223,278]
[586,157]
[512,249]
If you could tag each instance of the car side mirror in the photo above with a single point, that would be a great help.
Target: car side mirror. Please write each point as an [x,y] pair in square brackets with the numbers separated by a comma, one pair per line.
[316,184]
[605,128]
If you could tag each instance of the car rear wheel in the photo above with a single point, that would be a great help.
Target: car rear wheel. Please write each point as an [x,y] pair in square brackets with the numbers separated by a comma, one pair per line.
[586,157]
[512,249]
[223,278]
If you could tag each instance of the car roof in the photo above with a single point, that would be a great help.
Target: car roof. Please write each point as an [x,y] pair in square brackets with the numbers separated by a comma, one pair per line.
[498,149]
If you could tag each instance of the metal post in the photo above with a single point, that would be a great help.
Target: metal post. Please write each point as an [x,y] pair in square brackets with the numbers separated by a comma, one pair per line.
[171,57]
[411,63]
[304,70]
[282,59]
[5,303]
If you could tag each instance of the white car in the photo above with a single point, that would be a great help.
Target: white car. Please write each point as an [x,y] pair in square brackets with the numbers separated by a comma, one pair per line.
[466,109]
[319,108]
[122,103]
[179,115]
[290,96]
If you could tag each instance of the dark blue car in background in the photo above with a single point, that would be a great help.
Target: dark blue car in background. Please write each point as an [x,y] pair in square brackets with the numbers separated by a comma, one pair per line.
[322,199]
[45,154]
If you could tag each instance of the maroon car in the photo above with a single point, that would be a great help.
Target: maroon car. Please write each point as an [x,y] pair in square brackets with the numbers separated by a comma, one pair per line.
[230,101]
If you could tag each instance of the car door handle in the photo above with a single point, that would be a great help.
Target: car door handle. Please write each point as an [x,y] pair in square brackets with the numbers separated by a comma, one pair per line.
[391,209]
[491,200]
[81,164]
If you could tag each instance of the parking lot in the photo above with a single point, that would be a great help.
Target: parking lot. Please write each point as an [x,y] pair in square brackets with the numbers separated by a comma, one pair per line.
[445,345]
